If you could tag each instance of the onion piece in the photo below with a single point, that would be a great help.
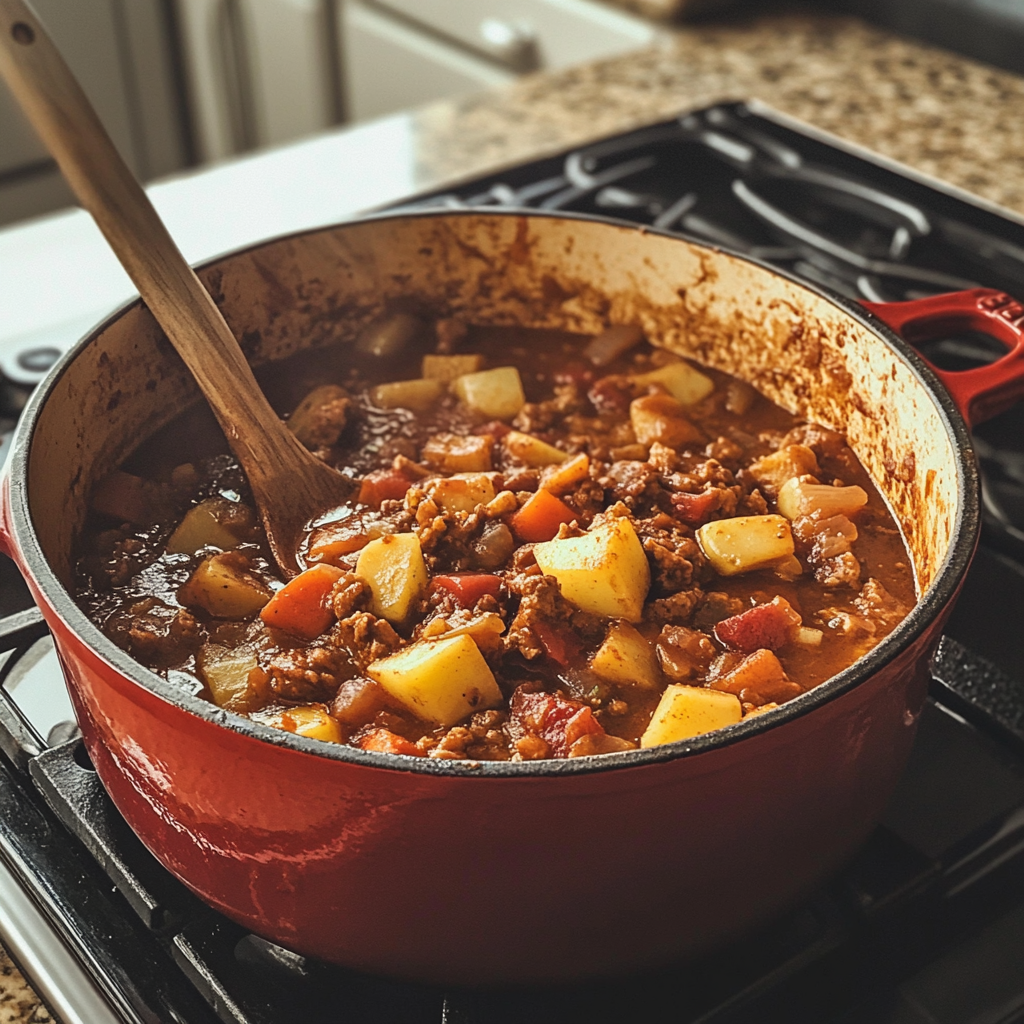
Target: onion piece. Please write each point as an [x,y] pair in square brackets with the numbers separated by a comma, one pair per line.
[610,344]
[389,335]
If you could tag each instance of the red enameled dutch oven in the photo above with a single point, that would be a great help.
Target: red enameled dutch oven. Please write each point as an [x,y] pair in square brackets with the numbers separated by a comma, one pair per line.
[483,873]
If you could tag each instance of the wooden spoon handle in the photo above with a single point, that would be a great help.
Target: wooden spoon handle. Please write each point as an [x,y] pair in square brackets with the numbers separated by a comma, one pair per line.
[62,115]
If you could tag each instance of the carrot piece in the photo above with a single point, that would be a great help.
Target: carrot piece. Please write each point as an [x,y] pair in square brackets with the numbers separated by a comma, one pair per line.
[540,517]
[384,741]
[467,587]
[303,606]
[757,671]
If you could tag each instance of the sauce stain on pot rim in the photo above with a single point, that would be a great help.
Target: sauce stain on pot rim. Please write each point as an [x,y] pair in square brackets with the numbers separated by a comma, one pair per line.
[936,598]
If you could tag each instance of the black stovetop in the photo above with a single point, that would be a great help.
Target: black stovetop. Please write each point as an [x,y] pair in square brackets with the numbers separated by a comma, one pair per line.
[926,926]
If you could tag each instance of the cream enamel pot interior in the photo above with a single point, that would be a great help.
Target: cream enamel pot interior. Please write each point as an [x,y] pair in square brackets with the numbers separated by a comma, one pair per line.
[494,872]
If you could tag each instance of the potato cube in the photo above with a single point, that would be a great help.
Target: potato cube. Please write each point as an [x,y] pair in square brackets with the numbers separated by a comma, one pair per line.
[310,720]
[226,672]
[799,497]
[394,568]
[223,586]
[532,450]
[627,658]
[495,394]
[793,460]
[659,418]
[563,478]
[604,572]
[441,681]
[321,416]
[686,711]
[462,492]
[214,523]
[447,368]
[451,453]
[418,395]
[738,545]
[680,380]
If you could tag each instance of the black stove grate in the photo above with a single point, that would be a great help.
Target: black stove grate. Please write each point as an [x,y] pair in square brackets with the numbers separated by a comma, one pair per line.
[733,177]
[926,925]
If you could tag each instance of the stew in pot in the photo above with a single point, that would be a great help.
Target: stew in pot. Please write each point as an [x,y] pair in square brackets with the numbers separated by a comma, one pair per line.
[556,547]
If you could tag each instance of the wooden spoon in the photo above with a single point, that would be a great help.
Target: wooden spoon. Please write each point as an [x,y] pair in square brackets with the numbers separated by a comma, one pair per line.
[290,485]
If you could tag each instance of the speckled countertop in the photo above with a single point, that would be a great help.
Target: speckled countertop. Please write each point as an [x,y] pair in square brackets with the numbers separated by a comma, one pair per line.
[943,115]
[18,1003]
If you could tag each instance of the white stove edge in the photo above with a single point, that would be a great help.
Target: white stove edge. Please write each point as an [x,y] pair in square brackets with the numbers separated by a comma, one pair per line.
[58,277]
[52,971]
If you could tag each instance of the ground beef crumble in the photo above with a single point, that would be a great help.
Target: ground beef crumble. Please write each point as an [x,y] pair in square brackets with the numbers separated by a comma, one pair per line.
[668,483]
[365,638]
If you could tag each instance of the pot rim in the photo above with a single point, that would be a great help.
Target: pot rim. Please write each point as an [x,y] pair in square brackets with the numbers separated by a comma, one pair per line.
[947,580]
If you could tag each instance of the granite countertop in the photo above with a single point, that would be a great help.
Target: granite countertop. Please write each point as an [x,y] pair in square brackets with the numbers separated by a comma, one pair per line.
[943,115]
[18,1003]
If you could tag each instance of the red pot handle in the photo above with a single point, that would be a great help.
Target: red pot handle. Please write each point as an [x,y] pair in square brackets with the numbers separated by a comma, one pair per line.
[984,391]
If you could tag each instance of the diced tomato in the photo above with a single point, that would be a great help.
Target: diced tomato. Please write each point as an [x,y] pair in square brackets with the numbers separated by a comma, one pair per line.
[557,720]
[303,605]
[559,645]
[467,587]
[611,394]
[540,517]
[495,428]
[694,509]
[383,485]
[574,372]
[581,724]
[384,741]
[766,626]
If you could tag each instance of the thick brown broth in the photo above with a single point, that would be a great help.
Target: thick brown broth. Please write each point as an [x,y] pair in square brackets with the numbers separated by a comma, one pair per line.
[525,631]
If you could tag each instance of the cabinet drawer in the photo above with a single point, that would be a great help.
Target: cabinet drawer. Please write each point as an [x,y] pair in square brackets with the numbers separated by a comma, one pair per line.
[529,34]
[388,66]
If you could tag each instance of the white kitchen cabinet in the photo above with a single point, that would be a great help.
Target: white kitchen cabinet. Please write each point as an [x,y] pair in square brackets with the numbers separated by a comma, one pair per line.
[396,54]
[389,65]
[118,49]
[530,34]
[261,72]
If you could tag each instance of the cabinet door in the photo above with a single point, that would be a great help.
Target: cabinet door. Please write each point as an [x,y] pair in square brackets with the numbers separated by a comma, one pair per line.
[86,33]
[290,64]
[389,66]
[260,72]
[559,32]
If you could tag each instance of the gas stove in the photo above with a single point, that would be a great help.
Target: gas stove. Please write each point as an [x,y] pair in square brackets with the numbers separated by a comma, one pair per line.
[926,924]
